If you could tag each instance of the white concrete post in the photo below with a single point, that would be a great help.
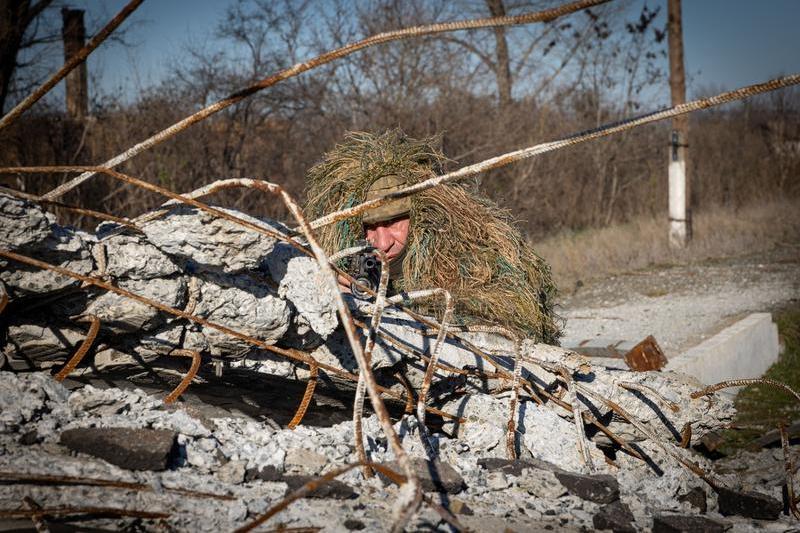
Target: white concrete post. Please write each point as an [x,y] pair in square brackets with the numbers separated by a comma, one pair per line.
[679,214]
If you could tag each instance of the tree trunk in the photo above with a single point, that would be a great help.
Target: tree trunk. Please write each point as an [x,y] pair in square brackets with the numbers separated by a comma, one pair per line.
[502,66]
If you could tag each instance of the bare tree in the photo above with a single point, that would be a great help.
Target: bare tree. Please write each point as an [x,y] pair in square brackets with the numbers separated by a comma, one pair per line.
[18,30]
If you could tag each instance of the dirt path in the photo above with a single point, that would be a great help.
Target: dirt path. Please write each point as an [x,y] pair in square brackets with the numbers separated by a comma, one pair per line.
[682,305]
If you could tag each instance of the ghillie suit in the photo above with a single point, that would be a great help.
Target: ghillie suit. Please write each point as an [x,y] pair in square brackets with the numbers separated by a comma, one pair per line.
[457,240]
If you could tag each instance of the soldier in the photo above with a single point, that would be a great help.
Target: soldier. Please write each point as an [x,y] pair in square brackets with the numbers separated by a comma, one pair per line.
[448,236]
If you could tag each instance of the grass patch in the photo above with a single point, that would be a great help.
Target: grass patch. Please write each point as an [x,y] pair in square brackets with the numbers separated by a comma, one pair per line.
[642,243]
[759,408]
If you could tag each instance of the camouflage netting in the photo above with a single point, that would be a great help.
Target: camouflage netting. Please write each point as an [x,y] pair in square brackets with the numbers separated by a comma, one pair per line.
[458,240]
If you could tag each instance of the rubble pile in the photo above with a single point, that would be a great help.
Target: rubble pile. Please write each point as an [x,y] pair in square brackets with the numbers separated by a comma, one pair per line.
[194,465]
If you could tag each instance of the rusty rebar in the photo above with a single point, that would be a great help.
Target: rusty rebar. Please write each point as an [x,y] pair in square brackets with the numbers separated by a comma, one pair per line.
[690,465]
[307,395]
[83,349]
[406,33]
[288,353]
[404,508]
[745,382]
[79,57]
[571,140]
[788,469]
[37,518]
[644,389]
[580,432]
[188,377]
[422,397]
[3,297]
[511,426]
[46,479]
[314,484]
[269,232]
[75,511]
[377,312]
[66,207]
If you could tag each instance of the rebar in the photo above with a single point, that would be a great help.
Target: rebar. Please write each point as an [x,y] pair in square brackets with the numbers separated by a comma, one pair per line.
[431,366]
[404,509]
[691,466]
[75,511]
[38,520]
[43,479]
[82,350]
[288,353]
[406,33]
[3,297]
[307,395]
[511,426]
[79,57]
[711,389]
[571,140]
[788,468]
[377,312]
[644,389]
[188,377]
[66,207]
[580,432]
[314,484]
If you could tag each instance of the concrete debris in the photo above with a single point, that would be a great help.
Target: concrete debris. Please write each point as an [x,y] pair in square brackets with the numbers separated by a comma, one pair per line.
[615,516]
[131,449]
[223,438]
[750,504]
[335,490]
[687,524]
[434,476]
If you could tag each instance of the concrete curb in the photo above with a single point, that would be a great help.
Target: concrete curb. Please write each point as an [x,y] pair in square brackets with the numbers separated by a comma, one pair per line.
[744,350]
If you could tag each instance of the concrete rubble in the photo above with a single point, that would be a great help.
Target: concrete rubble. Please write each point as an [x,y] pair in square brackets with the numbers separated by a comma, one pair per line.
[269,290]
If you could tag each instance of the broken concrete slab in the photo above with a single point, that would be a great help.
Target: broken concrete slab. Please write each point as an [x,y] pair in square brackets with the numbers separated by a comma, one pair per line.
[434,476]
[594,488]
[333,489]
[615,516]
[676,523]
[749,504]
[131,449]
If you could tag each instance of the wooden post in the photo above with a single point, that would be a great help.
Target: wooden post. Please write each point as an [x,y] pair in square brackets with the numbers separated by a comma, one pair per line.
[74,34]
[680,214]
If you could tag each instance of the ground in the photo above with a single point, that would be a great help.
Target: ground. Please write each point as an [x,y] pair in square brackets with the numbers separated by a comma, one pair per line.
[683,304]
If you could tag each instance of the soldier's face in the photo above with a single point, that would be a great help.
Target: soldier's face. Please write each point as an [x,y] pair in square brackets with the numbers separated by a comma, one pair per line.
[390,237]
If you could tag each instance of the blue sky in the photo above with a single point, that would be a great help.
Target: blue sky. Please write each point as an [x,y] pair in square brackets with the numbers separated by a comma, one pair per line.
[728,43]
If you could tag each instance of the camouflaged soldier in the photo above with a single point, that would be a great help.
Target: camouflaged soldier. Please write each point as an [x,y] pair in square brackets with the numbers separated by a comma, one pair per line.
[448,236]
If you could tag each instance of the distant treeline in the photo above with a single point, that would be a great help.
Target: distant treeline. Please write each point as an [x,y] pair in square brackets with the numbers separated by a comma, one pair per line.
[484,98]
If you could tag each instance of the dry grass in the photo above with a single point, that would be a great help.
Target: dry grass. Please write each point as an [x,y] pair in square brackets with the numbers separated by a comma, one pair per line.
[642,243]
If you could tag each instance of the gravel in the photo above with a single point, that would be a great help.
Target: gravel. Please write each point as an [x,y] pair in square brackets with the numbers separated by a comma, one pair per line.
[681,305]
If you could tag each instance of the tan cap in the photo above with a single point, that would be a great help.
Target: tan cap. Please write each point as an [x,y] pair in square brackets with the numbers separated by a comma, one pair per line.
[395,208]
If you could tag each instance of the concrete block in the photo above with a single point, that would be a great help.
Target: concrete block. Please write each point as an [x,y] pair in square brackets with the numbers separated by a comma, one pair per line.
[745,349]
